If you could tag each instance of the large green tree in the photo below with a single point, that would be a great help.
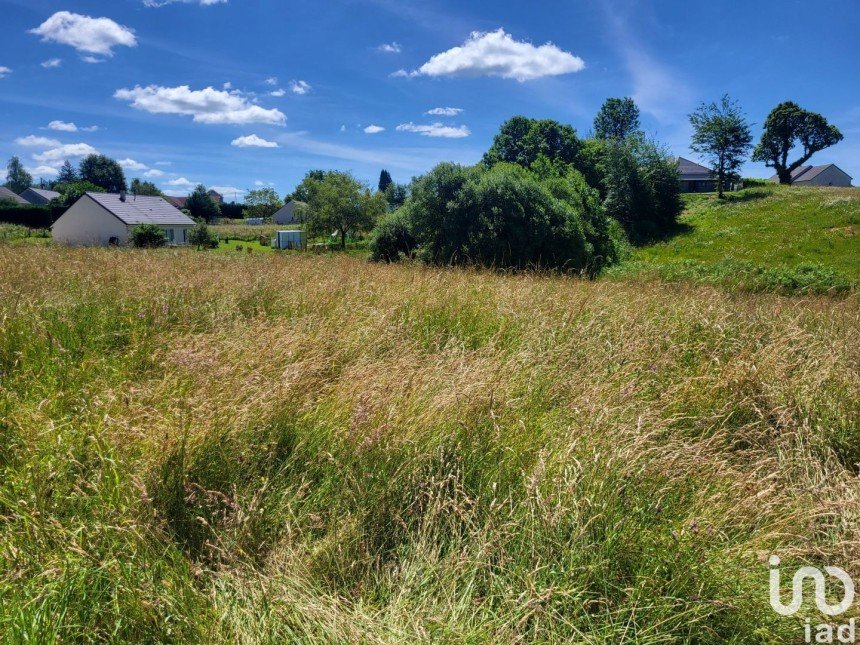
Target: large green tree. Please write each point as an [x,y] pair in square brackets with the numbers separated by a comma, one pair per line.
[385,180]
[262,203]
[145,188]
[68,174]
[104,172]
[201,205]
[339,202]
[788,126]
[617,119]
[17,179]
[521,141]
[722,135]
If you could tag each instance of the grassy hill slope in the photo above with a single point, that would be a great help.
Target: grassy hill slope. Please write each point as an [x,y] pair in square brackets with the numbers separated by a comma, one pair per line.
[771,238]
[244,448]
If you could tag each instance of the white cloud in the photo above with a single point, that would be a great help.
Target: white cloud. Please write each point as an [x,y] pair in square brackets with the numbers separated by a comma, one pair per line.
[163,163]
[227,86]
[496,53]
[436,130]
[273,80]
[62,126]
[92,60]
[153,173]
[51,63]
[278,93]
[401,73]
[374,129]
[4,71]
[390,48]
[208,105]
[87,35]
[257,182]
[43,171]
[252,141]
[343,128]
[37,142]
[132,165]
[444,111]
[228,191]
[182,182]
[299,87]
[58,154]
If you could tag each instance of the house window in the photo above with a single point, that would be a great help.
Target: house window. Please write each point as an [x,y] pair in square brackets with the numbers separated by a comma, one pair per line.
[185,236]
[169,232]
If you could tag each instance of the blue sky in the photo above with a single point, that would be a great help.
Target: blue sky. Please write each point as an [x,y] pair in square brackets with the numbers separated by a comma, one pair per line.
[238,94]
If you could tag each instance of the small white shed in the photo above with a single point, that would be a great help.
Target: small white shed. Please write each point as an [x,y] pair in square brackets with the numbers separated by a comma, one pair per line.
[290,213]
[106,218]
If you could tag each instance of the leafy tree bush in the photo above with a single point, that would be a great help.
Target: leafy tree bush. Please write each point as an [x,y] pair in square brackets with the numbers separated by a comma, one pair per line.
[70,193]
[262,203]
[68,174]
[103,172]
[787,126]
[617,119]
[201,205]
[202,237]
[147,236]
[17,179]
[145,188]
[504,216]
[393,238]
[722,134]
[339,202]
[30,216]
[385,180]
[521,141]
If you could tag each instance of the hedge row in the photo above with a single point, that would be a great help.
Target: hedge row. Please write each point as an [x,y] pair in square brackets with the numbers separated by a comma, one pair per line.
[30,216]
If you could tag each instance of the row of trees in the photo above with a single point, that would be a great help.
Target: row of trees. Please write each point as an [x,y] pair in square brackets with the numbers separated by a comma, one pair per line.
[722,135]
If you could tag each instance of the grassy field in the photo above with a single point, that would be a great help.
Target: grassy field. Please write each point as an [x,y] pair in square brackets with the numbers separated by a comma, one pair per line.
[763,239]
[202,447]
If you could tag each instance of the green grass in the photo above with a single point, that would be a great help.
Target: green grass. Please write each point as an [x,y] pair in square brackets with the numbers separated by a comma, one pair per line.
[240,246]
[284,447]
[777,238]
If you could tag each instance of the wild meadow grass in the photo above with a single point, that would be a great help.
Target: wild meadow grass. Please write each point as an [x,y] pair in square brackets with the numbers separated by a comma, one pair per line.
[198,447]
[775,239]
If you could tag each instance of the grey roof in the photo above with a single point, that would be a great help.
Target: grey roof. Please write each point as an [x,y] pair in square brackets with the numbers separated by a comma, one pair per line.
[8,195]
[807,173]
[47,195]
[142,210]
[687,167]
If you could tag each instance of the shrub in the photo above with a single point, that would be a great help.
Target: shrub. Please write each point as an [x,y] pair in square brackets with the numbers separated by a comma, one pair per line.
[502,217]
[29,216]
[147,236]
[202,237]
[750,182]
[393,238]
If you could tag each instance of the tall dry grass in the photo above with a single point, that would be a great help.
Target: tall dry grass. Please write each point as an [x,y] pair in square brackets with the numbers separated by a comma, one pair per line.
[267,449]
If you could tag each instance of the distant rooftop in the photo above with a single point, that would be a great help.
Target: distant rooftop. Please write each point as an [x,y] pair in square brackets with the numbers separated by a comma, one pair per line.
[687,167]
[142,210]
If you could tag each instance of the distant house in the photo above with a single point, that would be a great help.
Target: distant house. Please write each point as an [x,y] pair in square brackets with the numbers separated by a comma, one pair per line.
[178,202]
[7,195]
[696,178]
[216,197]
[828,175]
[288,214]
[38,196]
[105,218]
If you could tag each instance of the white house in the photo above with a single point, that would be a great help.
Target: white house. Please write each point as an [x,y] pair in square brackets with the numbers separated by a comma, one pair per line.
[289,213]
[827,175]
[105,218]
[39,196]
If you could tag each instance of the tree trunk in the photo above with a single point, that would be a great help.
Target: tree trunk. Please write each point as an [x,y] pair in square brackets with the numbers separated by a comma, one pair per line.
[784,175]
[343,239]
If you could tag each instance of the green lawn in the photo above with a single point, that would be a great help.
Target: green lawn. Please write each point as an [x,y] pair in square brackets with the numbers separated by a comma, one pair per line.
[765,238]
[239,246]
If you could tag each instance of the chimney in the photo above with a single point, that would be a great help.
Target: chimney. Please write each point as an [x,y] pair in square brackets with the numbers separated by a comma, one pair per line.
[122,195]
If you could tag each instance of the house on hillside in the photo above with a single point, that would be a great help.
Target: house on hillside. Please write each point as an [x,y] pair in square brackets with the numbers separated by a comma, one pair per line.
[289,213]
[216,197]
[106,218]
[827,175]
[39,196]
[696,178]
[7,195]
[178,202]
